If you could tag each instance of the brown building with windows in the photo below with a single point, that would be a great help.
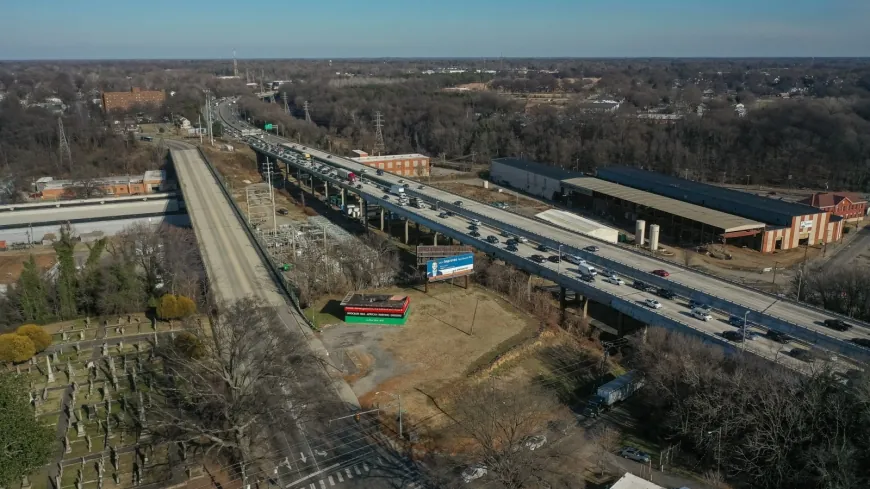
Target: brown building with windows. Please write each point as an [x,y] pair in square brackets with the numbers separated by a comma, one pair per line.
[150,182]
[409,165]
[113,101]
[849,206]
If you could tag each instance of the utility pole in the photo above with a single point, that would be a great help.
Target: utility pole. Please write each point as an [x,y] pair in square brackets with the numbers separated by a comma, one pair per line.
[199,128]
[63,145]
[268,166]
[380,146]
[286,107]
[235,65]
[307,113]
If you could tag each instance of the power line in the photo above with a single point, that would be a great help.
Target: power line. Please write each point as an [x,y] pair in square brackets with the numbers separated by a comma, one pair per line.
[307,113]
[286,107]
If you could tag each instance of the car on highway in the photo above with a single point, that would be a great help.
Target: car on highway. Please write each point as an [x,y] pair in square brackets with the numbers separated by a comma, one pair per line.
[359,185]
[777,336]
[380,172]
[474,234]
[837,324]
[613,279]
[701,314]
[592,249]
[635,454]
[554,258]
[734,336]
[522,239]
[492,239]
[538,258]
[473,473]
[576,260]
[512,241]
[587,277]
[666,294]
[805,355]
[420,187]
[543,247]
[473,227]
[505,234]
[535,442]
[861,342]
[693,304]
[512,248]
[639,285]
[661,273]
[457,203]
[652,304]
[476,222]
[443,215]
[736,321]
[386,196]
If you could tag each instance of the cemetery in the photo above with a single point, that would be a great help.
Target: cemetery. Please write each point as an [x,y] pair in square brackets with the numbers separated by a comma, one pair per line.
[93,387]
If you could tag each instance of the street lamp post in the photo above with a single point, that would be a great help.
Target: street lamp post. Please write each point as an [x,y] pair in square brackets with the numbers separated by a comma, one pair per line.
[718,431]
[745,325]
[800,283]
[559,269]
[398,398]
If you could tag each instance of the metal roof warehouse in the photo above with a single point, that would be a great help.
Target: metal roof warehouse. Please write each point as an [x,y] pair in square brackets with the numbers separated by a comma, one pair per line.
[715,219]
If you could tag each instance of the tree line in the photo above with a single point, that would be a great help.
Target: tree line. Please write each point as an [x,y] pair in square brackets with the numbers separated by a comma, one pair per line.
[120,275]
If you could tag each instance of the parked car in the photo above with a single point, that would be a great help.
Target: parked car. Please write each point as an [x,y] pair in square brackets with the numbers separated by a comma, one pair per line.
[535,442]
[666,293]
[613,279]
[661,273]
[283,212]
[538,258]
[652,304]
[554,258]
[734,336]
[473,472]
[862,342]
[780,337]
[635,454]
[837,324]
[592,249]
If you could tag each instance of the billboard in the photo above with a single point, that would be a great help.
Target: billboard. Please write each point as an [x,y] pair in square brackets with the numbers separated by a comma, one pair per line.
[426,253]
[450,267]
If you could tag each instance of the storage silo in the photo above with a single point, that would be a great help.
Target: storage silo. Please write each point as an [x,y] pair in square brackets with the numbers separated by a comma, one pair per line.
[654,237]
[639,229]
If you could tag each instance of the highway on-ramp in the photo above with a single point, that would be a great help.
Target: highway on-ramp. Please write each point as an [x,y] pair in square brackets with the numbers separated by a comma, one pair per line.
[316,450]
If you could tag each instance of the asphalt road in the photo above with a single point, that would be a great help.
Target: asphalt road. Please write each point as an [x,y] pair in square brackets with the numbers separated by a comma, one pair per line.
[848,255]
[756,302]
[317,448]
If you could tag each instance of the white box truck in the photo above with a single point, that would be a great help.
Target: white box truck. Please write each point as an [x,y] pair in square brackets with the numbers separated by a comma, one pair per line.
[587,269]
[397,190]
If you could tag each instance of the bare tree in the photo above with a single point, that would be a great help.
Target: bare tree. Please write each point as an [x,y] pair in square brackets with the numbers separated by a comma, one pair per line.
[606,440]
[230,393]
[500,419]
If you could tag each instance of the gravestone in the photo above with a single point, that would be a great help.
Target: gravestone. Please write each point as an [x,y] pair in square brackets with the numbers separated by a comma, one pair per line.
[18,369]
[141,409]
[182,450]
[194,471]
[81,335]
[154,323]
[77,348]
[90,388]
[115,478]
[156,341]
[49,370]
[105,349]
[54,356]
[56,482]
[87,321]
[113,457]
[67,448]
[45,393]
[129,319]
[80,429]
[70,372]
[121,346]
[25,483]
[63,336]
[88,441]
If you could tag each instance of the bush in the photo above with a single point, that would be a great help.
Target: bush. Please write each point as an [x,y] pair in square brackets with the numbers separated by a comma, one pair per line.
[167,307]
[189,346]
[37,335]
[16,348]
[185,306]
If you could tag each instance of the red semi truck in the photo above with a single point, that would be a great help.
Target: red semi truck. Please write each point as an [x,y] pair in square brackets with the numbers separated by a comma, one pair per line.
[349,175]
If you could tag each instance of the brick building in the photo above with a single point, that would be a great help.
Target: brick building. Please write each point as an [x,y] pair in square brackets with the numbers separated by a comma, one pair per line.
[116,101]
[409,165]
[849,206]
[152,181]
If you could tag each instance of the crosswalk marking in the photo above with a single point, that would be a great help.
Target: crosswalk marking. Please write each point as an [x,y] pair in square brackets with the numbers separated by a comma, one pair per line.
[365,466]
[331,482]
[322,484]
[349,475]
[356,469]
[312,486]
[340,478]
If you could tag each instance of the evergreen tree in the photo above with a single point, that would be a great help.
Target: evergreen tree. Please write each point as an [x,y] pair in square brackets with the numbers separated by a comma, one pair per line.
[25,443]
[92,281]
[32,294]
[67,282]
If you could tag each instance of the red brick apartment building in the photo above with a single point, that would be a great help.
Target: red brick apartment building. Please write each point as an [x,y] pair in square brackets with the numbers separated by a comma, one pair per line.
[117,101]
[849,206]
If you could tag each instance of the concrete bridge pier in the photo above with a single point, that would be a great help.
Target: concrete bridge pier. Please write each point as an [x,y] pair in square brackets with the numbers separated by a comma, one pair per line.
[342,197]
[407,225]
[435,239]
[382,218]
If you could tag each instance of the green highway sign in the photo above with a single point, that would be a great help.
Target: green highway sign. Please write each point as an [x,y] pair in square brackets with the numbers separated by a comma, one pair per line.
[268,127]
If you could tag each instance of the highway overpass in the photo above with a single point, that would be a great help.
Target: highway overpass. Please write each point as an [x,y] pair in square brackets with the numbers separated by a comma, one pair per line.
[768,311]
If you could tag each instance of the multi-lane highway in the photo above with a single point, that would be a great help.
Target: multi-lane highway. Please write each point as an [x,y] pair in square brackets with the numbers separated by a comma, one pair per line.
[770,311]
[340,452]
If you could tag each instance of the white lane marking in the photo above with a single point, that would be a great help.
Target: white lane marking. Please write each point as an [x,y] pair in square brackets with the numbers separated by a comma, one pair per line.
[322,484]
[340,478]
[356,469]
[365,466]
[331,482]
[349,475]
[312,486]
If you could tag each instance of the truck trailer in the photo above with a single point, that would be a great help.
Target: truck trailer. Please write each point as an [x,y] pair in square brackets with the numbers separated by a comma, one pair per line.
[347,175]
[397,190]
[619,388]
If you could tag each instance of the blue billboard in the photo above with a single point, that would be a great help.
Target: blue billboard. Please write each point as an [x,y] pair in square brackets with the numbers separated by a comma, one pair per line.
[450,267]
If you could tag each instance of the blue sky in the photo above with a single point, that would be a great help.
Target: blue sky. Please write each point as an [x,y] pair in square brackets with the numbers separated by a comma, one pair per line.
[65,29]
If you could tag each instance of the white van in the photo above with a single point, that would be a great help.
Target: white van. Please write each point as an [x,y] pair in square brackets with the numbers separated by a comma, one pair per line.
[702,314]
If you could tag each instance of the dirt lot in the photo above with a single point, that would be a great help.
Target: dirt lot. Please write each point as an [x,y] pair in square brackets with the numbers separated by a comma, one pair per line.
[432,357]
[12,262]
[240,169]
[491,195]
